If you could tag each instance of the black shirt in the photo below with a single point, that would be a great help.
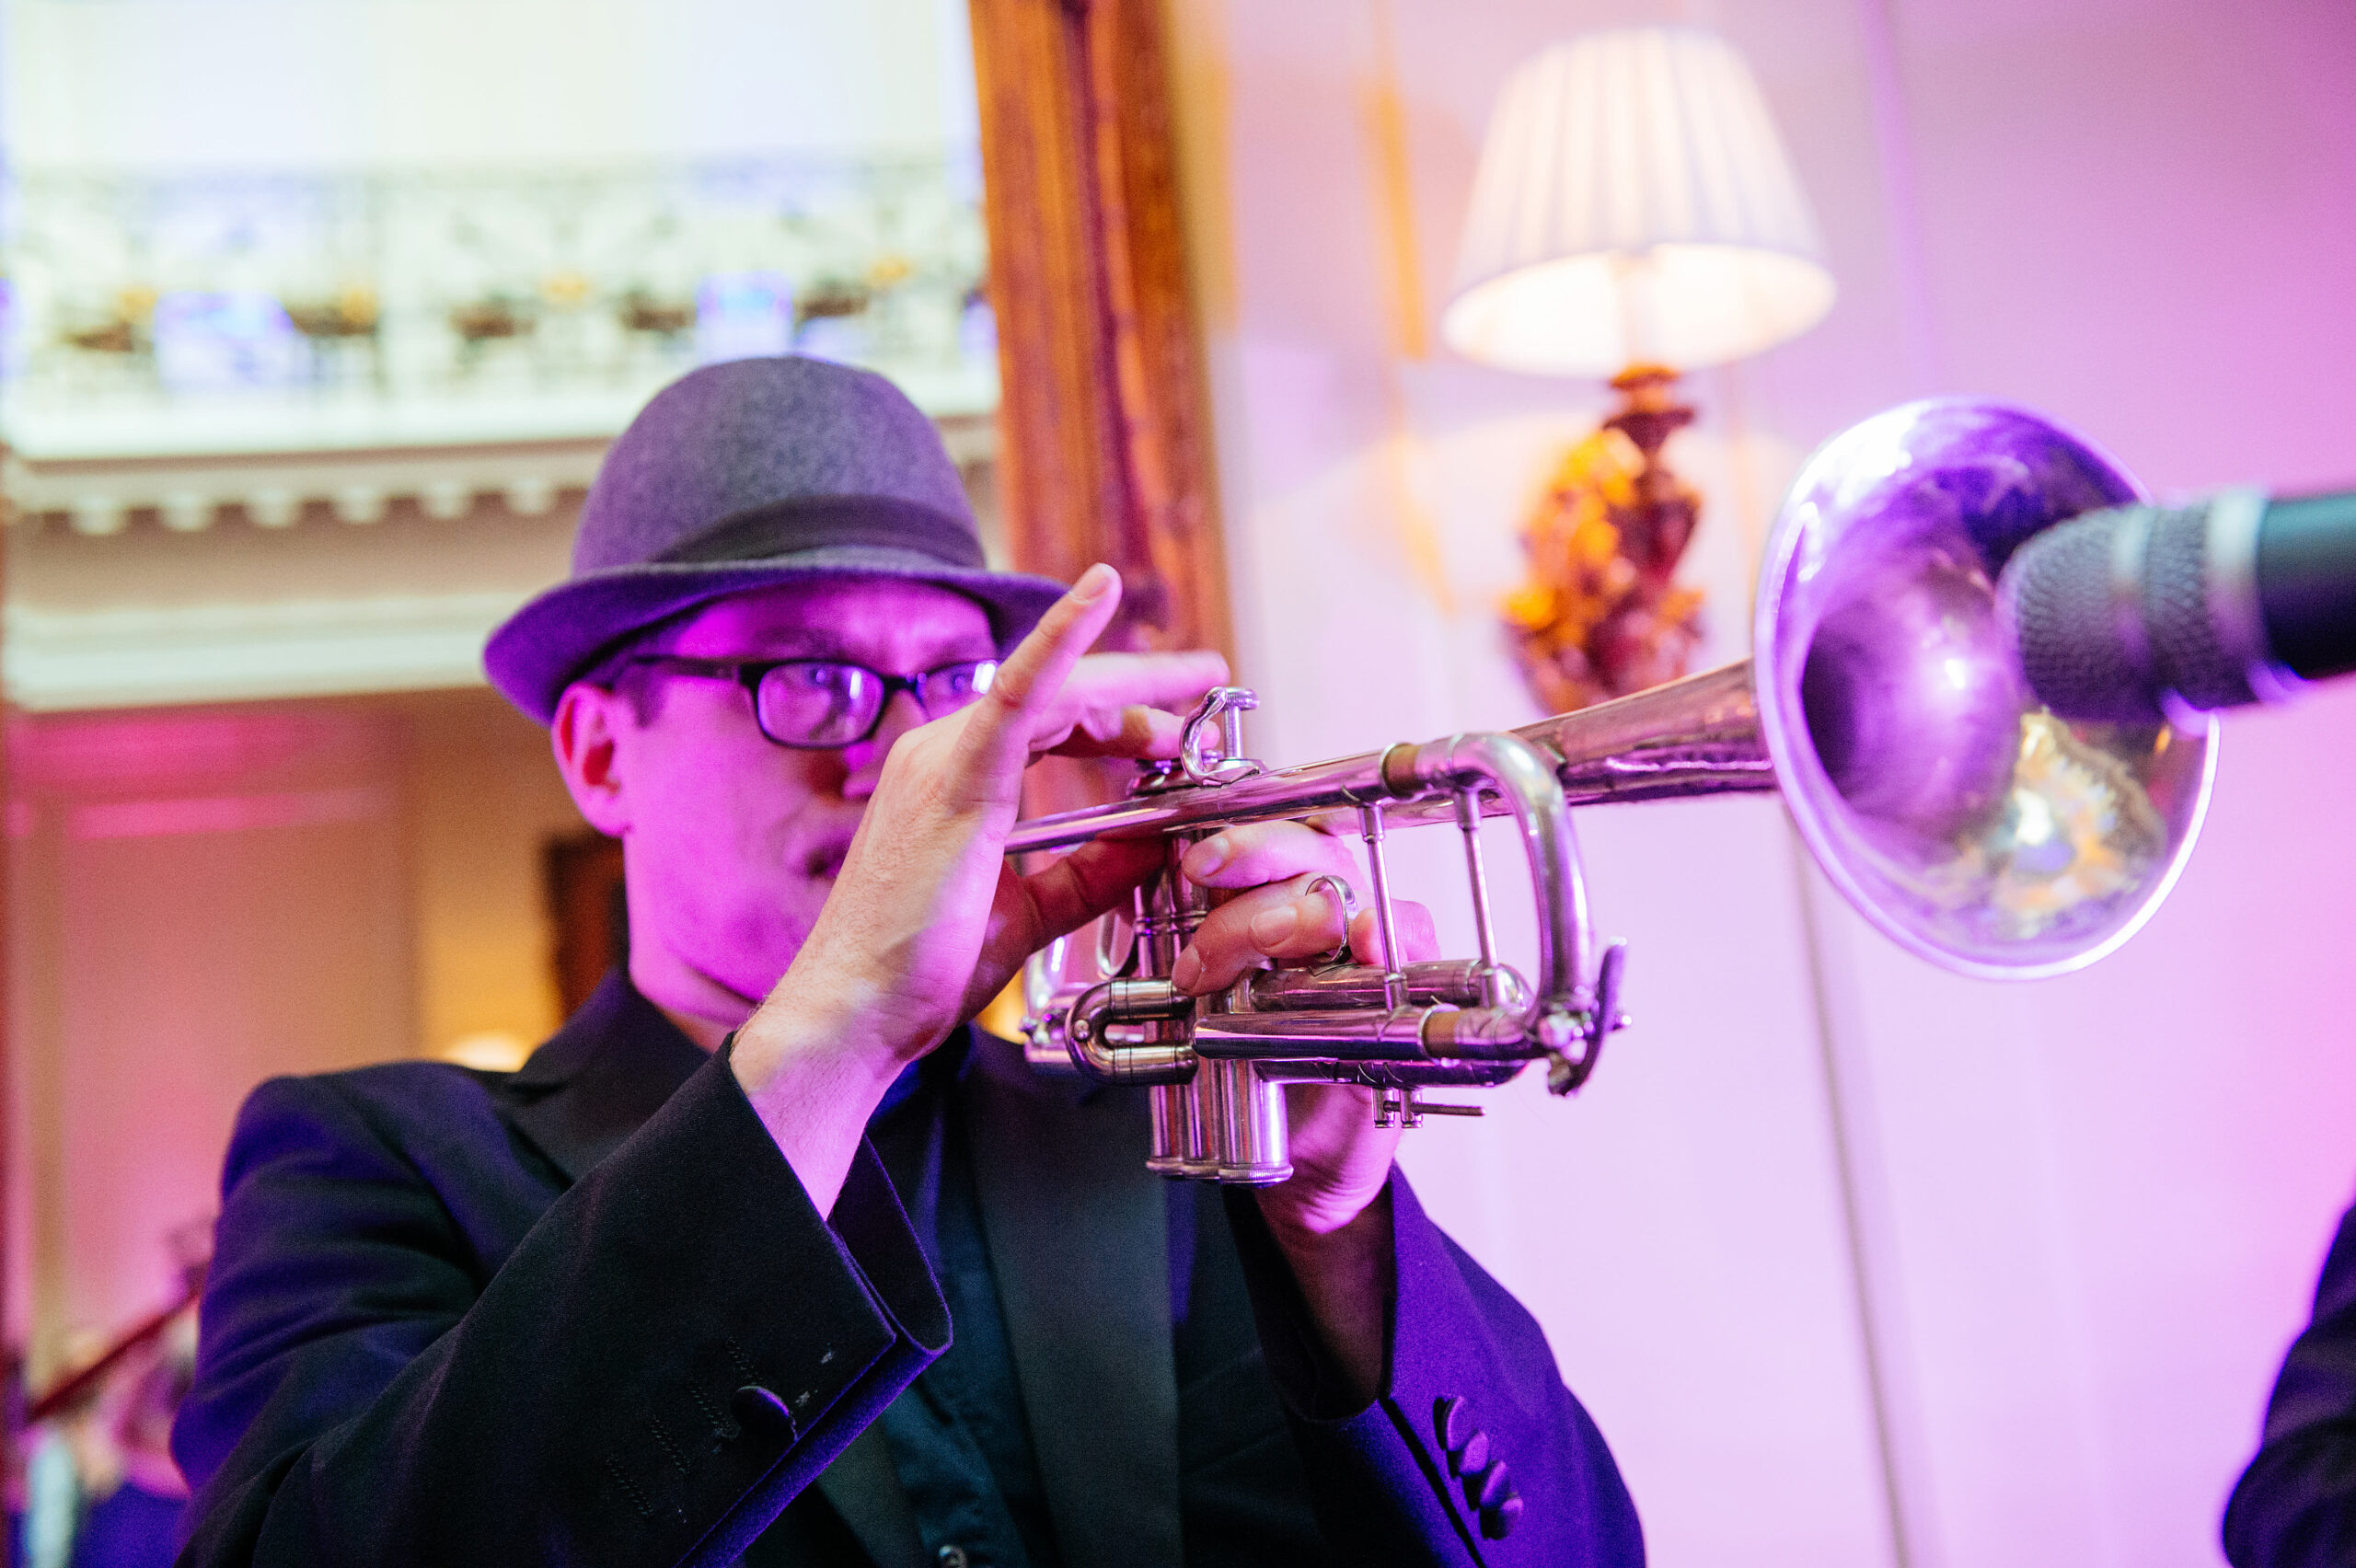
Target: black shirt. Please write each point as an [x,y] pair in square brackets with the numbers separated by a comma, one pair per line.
[959,1436]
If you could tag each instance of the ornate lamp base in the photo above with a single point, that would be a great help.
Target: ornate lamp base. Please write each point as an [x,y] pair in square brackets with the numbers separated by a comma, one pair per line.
[1599,616]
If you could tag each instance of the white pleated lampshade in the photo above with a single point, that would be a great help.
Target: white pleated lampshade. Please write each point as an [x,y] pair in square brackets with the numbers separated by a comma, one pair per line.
[1633,205]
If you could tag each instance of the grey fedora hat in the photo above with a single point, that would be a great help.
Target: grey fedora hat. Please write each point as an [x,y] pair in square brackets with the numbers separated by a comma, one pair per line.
[745,475]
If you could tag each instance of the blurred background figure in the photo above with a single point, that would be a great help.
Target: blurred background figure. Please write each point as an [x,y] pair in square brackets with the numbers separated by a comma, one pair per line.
[2295,1507]
[100,1487]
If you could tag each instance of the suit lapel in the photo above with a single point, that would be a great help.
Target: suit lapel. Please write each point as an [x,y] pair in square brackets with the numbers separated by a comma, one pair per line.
[865,1489]
[610,1067]
[1078,1233]
[1076,1229]
[585,1091]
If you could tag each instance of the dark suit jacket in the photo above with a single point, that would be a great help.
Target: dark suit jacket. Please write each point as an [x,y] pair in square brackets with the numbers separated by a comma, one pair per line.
[584,1313]
[2295,1507]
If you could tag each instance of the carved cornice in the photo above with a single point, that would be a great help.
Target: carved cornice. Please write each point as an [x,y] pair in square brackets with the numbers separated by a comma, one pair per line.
[99,496]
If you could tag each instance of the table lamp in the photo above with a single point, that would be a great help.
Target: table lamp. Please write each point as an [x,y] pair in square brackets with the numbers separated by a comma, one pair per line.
[1634,216]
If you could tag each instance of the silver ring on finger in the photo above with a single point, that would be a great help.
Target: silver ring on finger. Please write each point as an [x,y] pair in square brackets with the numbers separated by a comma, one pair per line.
[1343,895]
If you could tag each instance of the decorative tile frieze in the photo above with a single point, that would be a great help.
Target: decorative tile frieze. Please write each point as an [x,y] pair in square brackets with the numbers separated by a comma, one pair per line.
[261,343]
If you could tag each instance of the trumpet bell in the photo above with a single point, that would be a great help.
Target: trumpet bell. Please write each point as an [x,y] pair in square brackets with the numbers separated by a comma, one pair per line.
[1958,814]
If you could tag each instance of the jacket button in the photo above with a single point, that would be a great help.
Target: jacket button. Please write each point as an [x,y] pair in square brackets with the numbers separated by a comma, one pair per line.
[1473,1458]
[1489,1488]
[757,1409]
[1498,1520]
[1452,1422]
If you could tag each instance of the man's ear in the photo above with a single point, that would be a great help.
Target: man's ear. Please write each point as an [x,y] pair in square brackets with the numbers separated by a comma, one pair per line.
[585,736]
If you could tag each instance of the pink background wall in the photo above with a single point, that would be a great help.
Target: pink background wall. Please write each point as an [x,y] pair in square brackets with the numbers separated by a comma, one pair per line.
[202,897]
[215,898]
[2086,1214]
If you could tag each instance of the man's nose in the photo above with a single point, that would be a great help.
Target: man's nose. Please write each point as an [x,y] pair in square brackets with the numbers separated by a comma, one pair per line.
[865,760]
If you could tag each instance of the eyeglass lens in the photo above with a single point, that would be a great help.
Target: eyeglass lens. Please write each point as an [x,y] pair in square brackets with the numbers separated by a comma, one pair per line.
[815,704]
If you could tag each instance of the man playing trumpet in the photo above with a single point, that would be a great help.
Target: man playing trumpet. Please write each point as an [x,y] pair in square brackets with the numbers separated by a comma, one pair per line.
[682,1289]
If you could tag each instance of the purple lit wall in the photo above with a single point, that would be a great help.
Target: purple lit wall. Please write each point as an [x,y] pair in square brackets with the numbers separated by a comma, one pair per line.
[2082,1218]
[204,898]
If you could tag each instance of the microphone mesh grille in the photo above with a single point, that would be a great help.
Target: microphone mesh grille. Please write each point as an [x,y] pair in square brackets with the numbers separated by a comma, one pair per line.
[2057,590]
[2187,656]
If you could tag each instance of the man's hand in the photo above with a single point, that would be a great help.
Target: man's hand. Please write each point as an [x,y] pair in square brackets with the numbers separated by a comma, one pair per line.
[1262,873]
[1331,1220]
[927,919]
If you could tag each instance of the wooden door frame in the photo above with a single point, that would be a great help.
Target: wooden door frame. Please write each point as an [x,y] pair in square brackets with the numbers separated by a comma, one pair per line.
[1103,415]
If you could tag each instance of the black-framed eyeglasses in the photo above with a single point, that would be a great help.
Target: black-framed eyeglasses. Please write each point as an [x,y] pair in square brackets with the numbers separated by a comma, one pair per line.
[818,704]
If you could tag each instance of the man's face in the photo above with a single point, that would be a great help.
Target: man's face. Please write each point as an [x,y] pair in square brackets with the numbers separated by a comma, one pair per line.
[732,842]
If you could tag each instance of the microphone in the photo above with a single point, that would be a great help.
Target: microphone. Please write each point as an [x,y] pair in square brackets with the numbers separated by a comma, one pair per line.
[2136,614]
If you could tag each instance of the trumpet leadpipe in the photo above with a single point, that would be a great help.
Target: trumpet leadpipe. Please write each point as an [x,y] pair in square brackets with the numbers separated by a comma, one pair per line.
[1695,737]
[1305,790]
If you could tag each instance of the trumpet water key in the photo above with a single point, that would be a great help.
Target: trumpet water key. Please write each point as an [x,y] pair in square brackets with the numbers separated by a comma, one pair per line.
[1884,699]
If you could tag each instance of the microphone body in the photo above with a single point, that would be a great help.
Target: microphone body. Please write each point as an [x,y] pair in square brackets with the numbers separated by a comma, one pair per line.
[2138,613]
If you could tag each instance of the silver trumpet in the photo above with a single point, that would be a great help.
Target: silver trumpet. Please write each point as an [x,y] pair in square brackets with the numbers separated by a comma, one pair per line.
[1884,699]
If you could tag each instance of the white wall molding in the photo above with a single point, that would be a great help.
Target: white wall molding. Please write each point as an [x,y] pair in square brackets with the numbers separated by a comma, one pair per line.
[146,656]
[190,493]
